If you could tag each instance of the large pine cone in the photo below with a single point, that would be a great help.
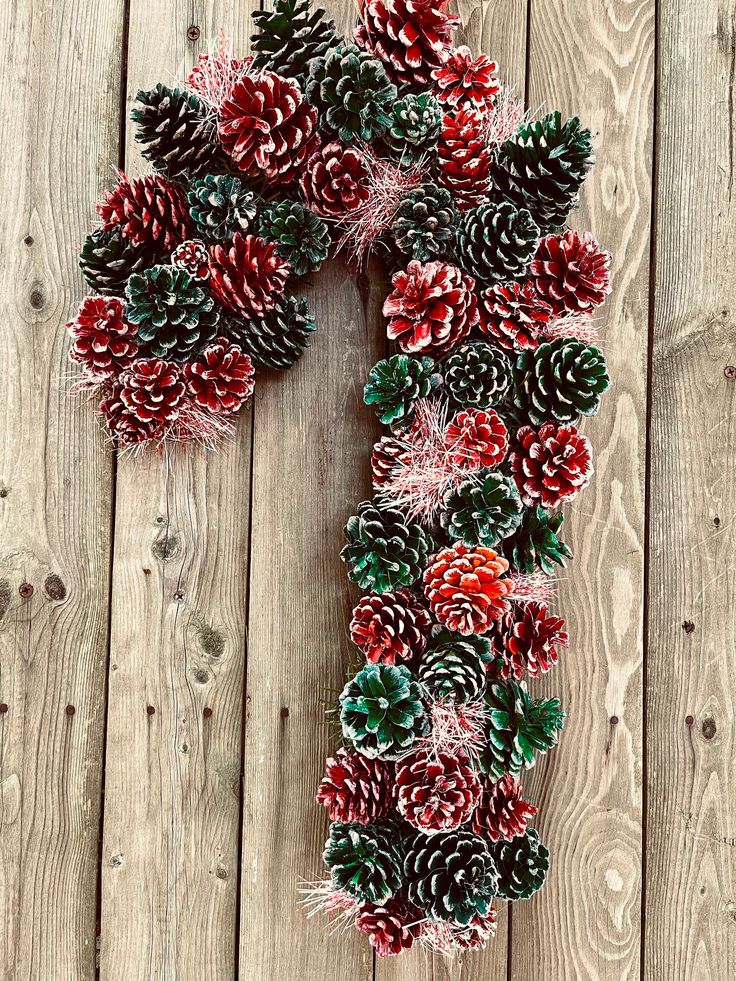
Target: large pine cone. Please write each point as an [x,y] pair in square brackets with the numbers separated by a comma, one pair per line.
[390,628]
[123,426]
[415,127]
[477,439]
[536,543]
[384,550]
[381,711]
[355,788]
[502,813]
[464,157]
[280,337]
[248,275]
[150,211]
[291,36]
[365,860]
[465,83]
[108,260]
[395,385]
[572,273]
[221,378]
[455,667]
[220,206]
[436,792]
[496,243]
[391,927]
[477,375]
[518,728]
[467,588]
[177,138]
[552,465]
[482,510]
[335,180]
[522,865]
[514,315]
[153,390]
[526,641]
[451,876]
[103,340]
[562,380]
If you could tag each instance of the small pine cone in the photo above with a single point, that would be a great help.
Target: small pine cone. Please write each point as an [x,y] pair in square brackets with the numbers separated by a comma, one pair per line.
[108,260]
[391,627]
[280,337]
[388,453]
[291,36]
[432,307]
[464,157]
[410,37]
[514,315]
[501,811]
[478,375]
[536,544]
[301,238]
[153,390]
[451,876]
[177,138]
[518,727]
[103,341]
[247,275]
[436,791]
[463,83]
[193,258]
[266,127]
[455,667]
[482,510]
[355,788]
[124,427]
[220,206]
[381,711]
[496,243]
[467,588]
[571,273]
[526,641]
[384,550]
[335,180]
[552,465]
[477,439]
[365,860]
[424,224]
[221,378]
[560,380]
[395,385]
[391,927]
[415,126]
[150,211]
[522,865]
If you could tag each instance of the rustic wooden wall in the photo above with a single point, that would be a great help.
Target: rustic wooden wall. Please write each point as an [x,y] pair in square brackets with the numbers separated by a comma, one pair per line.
[169,630]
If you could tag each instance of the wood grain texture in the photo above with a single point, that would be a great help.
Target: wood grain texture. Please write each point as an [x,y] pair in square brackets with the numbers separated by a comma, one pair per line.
[596,59]
[171,828]
[691,854]
[59,78]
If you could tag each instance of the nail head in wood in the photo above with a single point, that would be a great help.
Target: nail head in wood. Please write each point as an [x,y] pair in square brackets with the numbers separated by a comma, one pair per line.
[614,720]
[193,32]
[26,590]
[3,708]
[70,710]
[150,710]
[730,371]
[207,712]
[689,720]
[688,626]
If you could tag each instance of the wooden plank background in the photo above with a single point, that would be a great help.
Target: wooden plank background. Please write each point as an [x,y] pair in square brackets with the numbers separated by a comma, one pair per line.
[157,772]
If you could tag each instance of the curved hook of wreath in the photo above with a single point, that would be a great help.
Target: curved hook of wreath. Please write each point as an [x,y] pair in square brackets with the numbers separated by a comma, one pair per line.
[400,143]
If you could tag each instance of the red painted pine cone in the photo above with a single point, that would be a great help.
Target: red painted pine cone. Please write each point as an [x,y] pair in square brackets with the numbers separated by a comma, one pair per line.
[391,627]
[192,256]
[247,275]
[436,792]
[467,588]
[464,157]
[388,453]
[124,426]
[514,315]
[526,640]
[266,126]
[335,180]
[501,812]
[477,439]
[551,465]
[153,390]
[432,307]
[102,339]
[221,378]
[464,83]
[572,273]
[149,210]
[355,788]
[390,928]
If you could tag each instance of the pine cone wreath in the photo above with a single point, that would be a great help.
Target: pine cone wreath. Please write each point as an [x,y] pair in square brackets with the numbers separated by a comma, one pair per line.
[571,273]
[108,260]
[352,94]
[551,465]
[518,728]
[365,860]
[221,378]
[432,307]
[153,390]
[536,544]
[278,338]
[150,212]
[392,927]
[335,180]
[467,83]
[522,865]
[388,454]
[482,510]
[514,315]
[391,627]
[502,814]
[178,140]
[414,127]
[410,37]
[467,588]
[464,157]
[395,385]
[455,667]
[543,166]
[247,275]
[124,427]
[266,127]
[477,439]
[220,206]
[561,380]
[436,792]
[291,37]
[103,340]
[356,789]
[174,314]
[192,256]
[384,551]
[381,711]
[424,224]
[301,238]
[477,375]
[450,876]
[495,242]
[526,640]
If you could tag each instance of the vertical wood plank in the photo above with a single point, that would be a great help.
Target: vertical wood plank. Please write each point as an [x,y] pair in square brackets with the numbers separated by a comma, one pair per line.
[596,58]
[60,78]
[171,828]
[691,858]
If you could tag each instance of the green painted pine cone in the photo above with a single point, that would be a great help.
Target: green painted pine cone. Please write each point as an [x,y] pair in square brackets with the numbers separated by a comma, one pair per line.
[108,260]
[178,140]
[394,385]
[291,37]
[301,238]
[381,711]
[384,550]
[414,126]
[279,338]
[352,94]
[562,379]
[518,728]
[450,876]
[455,666]
[365,860]
[424,224]
[484,509]
[542,168]
[535,543]
[175,315]
[522,865]
[496,242]
[220,206]
[478,375]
